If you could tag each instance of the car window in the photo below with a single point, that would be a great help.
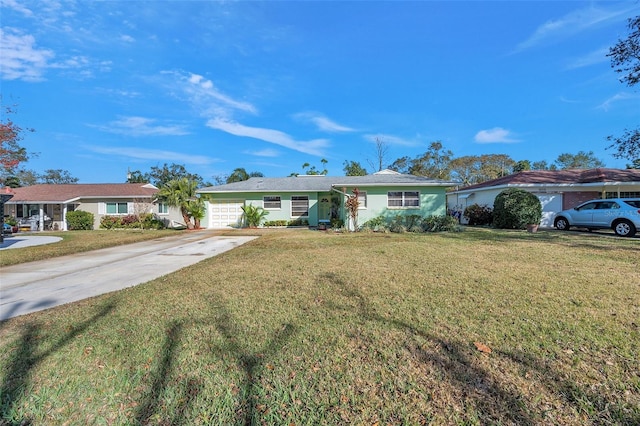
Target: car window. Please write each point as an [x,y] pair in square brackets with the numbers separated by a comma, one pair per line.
[588,206]
[607,205]
[633,203]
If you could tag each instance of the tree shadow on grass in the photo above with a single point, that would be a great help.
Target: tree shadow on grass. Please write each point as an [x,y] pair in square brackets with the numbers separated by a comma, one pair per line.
[252,363]
[17,375]
[160,382]
[493,402]
[596,406]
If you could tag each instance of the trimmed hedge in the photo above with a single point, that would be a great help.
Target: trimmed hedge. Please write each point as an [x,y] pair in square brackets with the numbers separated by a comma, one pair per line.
[79,221]
[516,208]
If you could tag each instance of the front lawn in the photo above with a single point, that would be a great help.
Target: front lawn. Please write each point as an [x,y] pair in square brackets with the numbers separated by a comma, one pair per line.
[306,327]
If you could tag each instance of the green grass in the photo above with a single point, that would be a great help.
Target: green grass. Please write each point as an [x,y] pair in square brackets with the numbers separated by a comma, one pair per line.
[304,327]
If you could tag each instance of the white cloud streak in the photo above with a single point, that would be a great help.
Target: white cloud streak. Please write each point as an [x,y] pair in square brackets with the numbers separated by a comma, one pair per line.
[313,147]
[141,126]
[13,4]
[151,154]
[573,23]
[210,99]
[391,139]
[264,153]
[618,97]
[495,135]
[592,58]
[21,59]
[323,123]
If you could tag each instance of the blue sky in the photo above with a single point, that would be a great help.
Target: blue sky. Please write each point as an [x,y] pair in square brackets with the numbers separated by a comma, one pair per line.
[268,86]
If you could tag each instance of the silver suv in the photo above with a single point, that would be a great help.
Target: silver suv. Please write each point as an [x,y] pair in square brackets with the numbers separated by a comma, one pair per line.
[620,214]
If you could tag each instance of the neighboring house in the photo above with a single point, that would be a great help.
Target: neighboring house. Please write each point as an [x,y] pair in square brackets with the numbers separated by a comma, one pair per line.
[557,189]
[317,199]
[46,206]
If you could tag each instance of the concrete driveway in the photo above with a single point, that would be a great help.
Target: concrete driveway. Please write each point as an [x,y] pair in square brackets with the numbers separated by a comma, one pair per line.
[34,286]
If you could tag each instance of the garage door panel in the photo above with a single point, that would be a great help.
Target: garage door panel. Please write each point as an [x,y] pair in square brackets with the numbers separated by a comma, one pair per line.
[225,213]
[551,204]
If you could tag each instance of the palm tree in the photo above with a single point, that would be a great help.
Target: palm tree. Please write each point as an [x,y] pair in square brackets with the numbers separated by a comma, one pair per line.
[196,210]
[179,193]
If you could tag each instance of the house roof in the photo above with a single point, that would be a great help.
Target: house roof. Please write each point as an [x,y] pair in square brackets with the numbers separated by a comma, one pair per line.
[321,183]
[65,193]
[562,177]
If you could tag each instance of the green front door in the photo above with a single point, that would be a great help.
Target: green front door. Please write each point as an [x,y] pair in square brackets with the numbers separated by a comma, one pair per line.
[324,207]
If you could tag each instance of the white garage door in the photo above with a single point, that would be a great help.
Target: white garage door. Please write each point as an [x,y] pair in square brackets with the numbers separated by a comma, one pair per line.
[223,213]
[551,204]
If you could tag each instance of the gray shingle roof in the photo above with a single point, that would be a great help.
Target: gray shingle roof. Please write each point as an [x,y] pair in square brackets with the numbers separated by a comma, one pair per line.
[320,183]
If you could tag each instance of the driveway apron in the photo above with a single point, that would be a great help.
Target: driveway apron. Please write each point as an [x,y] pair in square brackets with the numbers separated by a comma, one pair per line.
[34,286]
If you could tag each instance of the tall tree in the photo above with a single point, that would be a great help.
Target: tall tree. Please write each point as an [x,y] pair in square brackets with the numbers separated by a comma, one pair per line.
[581,160]
[434,163]
[401,165]
[136,177]
[522,166]
[381,153]
[180,193]
[11,152]
[160,176]
[353,168]
[312,170]
[57,176]
[237,175]
[472,169]
[625,59]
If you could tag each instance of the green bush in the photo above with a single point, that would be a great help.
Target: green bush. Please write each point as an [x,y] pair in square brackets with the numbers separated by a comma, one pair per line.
[253,215]
[516,208]
[413,223]
[479,215]
[444,223]
[149,221]
[79,221]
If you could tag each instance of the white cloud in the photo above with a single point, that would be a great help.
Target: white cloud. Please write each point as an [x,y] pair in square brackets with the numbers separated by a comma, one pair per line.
[391,140]
[263,153]
[127,38]
[13,4]
[323,123]
[141,126]
[495,135]
[211,100]
[151,154]
[618,97]
[313,147]
[21,59]
[574,23]
[592,58]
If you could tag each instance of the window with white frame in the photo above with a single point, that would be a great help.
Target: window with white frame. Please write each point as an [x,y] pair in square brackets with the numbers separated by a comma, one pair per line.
[163,208]
[272,202]
[362,200]
[623,194]
[405,199]
[117,208]
[299,206]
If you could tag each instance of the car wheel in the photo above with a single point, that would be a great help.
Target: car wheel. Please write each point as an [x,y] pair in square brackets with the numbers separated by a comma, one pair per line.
[624,228]
[562,224]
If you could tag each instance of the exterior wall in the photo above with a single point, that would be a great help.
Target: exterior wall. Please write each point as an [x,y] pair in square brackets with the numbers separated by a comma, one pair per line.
[572,199]
[432,202]
[284,212]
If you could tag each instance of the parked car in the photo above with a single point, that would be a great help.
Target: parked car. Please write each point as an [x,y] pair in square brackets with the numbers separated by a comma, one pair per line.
[620,214]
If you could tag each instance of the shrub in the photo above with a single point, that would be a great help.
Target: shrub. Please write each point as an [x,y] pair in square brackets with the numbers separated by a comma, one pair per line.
[253,215]
[110,222]
[516,208]
[479,215]
[444,223]
[79,220]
